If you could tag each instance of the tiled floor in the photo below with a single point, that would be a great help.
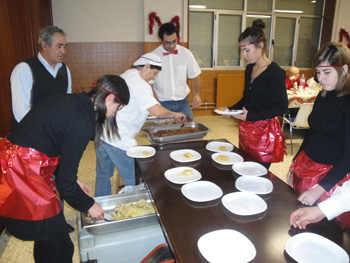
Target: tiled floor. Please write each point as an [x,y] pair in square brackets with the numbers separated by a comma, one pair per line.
[13,250]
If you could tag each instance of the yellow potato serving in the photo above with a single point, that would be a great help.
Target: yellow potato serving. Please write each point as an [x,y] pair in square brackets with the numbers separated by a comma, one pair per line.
[186,172]
[222,158]
[188,156]
[146,153]
[223,148]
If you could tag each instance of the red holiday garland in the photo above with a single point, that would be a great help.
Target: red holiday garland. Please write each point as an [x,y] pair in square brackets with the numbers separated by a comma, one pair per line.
[342,34]
[153,16]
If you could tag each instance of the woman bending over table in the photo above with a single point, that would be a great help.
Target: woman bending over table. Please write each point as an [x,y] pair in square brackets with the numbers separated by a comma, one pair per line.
[264,98]
[322,162]
[55,131]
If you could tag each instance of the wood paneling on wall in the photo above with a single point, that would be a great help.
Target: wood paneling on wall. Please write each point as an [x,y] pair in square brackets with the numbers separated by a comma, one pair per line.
[20,24]
[88,61]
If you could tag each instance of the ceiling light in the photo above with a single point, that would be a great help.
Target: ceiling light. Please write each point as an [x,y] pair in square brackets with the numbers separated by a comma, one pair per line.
[313,1]
[289,11]
[259,16]
[198,6]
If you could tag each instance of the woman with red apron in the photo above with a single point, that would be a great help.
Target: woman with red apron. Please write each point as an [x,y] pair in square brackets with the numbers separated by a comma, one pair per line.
[323,160]
[55,131]
[264,98]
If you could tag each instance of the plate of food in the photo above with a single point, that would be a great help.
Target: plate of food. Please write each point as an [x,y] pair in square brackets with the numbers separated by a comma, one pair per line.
[141,152]
[249,169]
[228,112]
[244,203]
[226,245]
[201,191]
[185,155]
[219,147]
[182,175]
[227,158]
[313,248]
[253,184]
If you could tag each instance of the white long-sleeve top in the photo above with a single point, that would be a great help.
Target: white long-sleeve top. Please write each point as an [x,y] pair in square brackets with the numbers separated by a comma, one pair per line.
[338,203]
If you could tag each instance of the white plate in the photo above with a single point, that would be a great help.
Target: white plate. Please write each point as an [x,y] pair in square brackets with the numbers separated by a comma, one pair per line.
[229,112]
[179,155]
[137,151]
[249,169]
[201,191]
[226,245]
[255,185]
[233,158]
[313,248]
[244,203]
[173,175]
[214,146]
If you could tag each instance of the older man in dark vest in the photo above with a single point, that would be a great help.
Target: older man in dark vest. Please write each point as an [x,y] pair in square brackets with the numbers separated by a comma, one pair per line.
[44,75]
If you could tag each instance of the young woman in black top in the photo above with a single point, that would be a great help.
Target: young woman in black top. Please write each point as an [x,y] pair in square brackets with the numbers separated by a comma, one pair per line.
[323,160]
[56,130]
[264,98]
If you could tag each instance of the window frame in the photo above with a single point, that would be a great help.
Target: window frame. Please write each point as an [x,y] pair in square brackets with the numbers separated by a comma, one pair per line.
[273,16]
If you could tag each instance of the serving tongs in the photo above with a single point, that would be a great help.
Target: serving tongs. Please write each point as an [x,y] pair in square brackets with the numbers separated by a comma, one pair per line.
[183,124]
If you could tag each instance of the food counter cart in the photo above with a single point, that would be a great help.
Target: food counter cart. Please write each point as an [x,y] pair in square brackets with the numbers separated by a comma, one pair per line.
[185,221]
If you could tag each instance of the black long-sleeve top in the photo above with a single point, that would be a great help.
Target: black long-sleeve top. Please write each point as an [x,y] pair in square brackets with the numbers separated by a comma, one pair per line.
[60,125]
[328,139]
[265,97]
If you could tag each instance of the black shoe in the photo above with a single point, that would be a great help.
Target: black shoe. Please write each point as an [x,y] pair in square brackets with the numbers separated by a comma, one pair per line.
[70,229]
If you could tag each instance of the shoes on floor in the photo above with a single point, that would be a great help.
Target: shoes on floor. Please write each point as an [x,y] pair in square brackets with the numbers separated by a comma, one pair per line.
[132,188]
[70,229]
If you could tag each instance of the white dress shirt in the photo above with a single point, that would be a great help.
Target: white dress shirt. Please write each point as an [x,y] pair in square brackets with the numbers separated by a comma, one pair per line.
[338,203]
[171,81]
[22,83]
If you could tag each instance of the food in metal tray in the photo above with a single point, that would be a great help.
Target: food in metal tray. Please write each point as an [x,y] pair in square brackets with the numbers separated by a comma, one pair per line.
[184,130]
[152,124]
[132,209]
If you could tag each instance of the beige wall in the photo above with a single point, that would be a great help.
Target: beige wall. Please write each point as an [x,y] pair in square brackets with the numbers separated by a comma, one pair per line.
[115,20]
[341,19]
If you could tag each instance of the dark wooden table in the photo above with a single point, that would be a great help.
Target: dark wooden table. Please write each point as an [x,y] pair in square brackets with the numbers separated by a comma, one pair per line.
[185,221]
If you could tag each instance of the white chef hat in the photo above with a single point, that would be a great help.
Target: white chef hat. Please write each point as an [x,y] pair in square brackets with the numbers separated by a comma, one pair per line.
[149,58]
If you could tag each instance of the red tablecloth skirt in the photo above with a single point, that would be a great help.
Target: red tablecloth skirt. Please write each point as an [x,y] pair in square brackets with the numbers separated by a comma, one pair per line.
[306,175]
[27,190]
[263,140]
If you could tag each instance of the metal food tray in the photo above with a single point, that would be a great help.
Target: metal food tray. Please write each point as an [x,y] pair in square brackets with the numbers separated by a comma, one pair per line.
[202,133]
[108,203]
[155,123]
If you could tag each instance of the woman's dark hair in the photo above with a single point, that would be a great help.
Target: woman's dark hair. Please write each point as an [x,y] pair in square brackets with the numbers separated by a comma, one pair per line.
[117,86]
[254,34]
[167,29]
[335,54]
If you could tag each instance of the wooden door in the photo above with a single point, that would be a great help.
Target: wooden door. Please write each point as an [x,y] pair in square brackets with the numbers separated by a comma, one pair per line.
[20,22]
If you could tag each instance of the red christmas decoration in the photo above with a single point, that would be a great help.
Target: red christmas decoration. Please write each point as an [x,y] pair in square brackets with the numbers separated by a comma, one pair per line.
[153,17]
[343,33]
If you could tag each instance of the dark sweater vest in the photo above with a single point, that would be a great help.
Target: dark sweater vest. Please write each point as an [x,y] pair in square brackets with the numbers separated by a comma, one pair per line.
[44,84]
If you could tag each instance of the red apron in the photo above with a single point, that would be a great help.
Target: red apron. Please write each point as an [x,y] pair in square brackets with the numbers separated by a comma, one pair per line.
[27,190]
[263,140]
[306,175]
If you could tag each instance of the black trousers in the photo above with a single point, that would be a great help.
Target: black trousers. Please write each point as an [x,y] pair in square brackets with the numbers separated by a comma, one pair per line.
[58,249]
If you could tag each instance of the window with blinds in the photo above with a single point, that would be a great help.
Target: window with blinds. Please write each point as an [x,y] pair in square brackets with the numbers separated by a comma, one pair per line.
[292,30]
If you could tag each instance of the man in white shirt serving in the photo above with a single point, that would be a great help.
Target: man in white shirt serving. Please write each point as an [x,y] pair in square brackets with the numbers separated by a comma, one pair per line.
[112,150]
[334,206]
[178,65]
